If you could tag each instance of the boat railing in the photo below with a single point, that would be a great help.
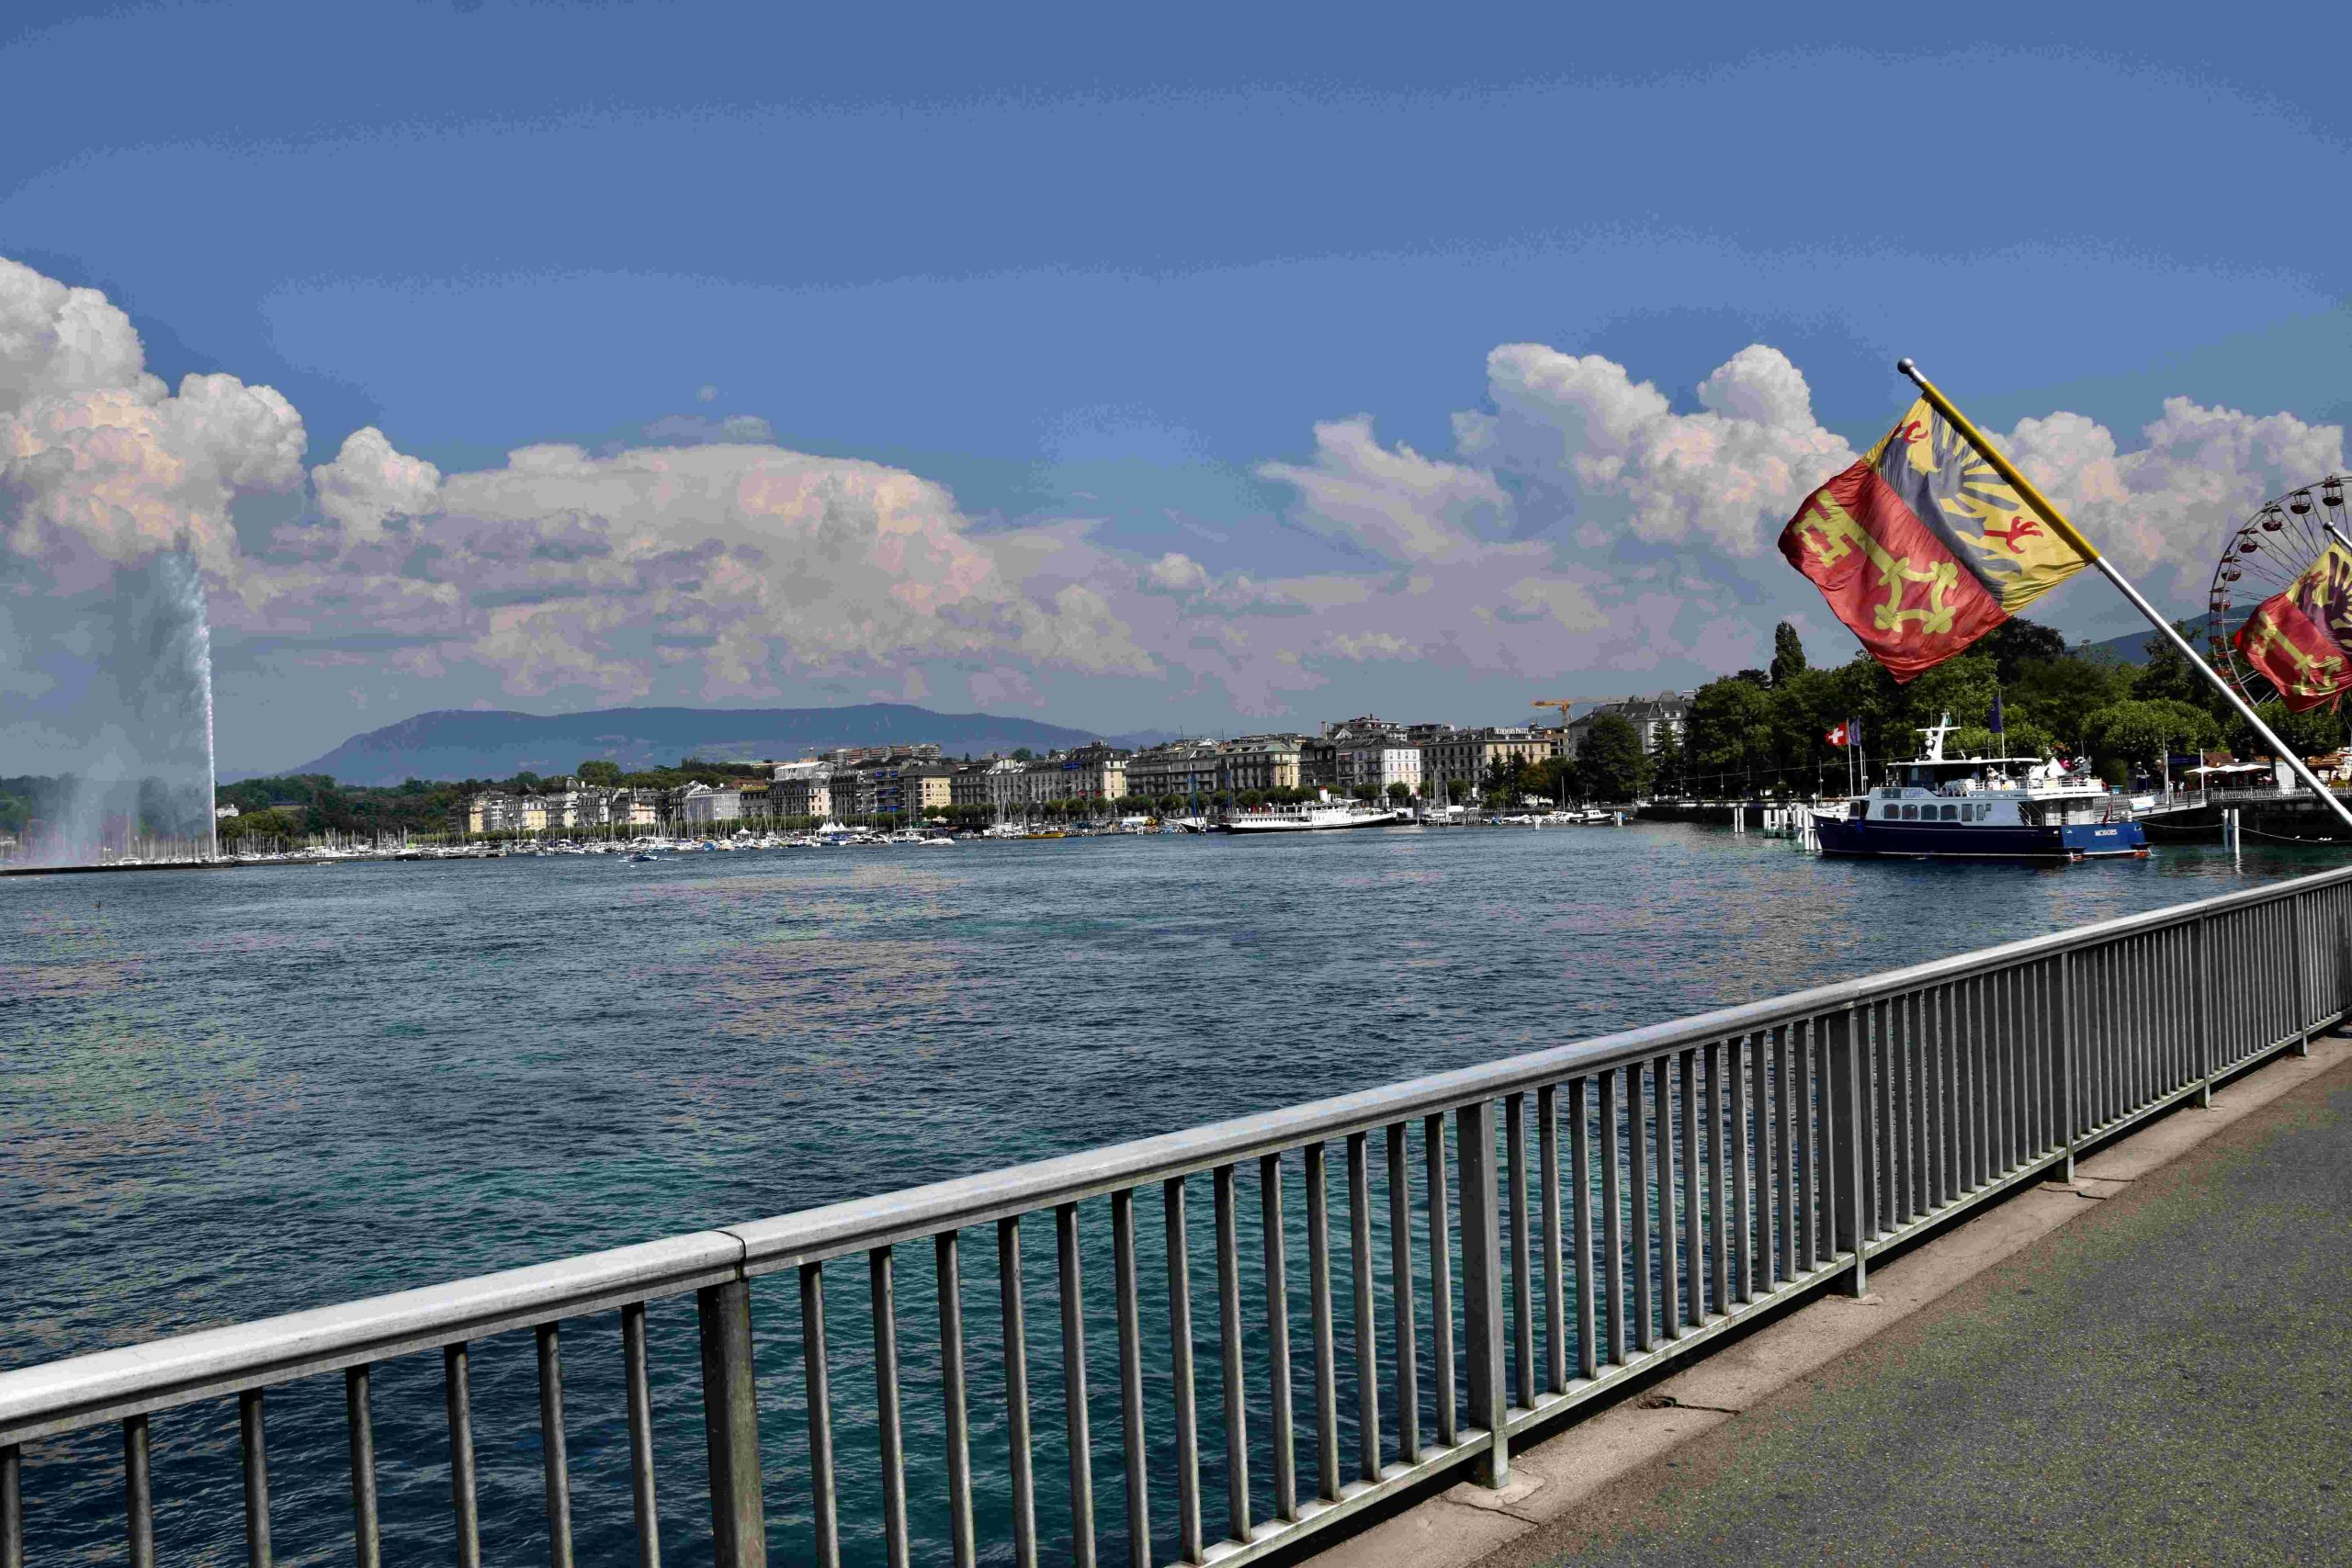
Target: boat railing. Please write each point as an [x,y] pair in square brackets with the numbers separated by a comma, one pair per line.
[1393,1287]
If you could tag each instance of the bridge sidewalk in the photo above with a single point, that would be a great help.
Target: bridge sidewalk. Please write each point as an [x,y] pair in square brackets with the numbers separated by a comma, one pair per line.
[2154,1365]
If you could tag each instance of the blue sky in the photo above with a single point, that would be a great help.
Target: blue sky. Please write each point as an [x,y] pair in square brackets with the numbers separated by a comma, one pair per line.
[1094,274]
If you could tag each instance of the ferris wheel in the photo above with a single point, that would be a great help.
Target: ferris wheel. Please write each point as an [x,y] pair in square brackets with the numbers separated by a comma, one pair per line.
[2264,555]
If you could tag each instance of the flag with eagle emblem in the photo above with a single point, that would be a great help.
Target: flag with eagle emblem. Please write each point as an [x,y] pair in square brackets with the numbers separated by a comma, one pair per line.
[2297,636]
[1922,548]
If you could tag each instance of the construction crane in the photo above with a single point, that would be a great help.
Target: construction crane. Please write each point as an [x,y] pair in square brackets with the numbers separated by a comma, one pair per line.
[1564,703]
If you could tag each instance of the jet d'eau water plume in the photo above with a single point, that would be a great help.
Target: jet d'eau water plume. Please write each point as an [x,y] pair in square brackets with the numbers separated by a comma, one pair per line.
[126,701]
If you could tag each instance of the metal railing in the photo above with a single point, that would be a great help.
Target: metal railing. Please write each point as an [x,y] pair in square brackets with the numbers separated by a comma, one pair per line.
[1518,1239]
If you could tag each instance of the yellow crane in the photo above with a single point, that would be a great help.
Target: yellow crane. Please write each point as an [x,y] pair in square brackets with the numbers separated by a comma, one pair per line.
[1564,703]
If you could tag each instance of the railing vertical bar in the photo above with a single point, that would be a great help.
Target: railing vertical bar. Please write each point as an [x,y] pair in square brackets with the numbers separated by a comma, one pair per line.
[947,1272]
[12,1507]
[1522,1276]
[643,1501]
[1743,1168]
[1801,1104]
[1669,1230]
[1963,1089]
[1580,1157]
[554,1459]
[2299,1025]
[366,1540]
[1784,1117]
[1845,1162]
[1718,1232]
[1075,1417]
[817,1369]
[2148,992]
[2004,1058]
[1020,1464]
[2063,1047]
[457,1378]
[1179,1374]
[1407,1342]
[1555,1299]
[253,1433]
[1827,1175]
[1910,1165]
[1612,1212]
[890,1429]
[1279,1418]
[1229,1332]
[1441,1189]
[1942,1120]
[1131,1396]
[137,1494]
[730,1411]
[1482,1288]
[1980,1097]
[1883,1047]
[1638,1127]
[1319,1310]
[2202,1028]
[1694,1247]
[1366,1330]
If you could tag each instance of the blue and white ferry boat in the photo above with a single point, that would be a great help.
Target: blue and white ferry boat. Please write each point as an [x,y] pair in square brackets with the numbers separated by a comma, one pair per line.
[2018,808]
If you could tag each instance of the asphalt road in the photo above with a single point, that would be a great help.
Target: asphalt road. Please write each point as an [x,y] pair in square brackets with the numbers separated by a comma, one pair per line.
[2167,1379]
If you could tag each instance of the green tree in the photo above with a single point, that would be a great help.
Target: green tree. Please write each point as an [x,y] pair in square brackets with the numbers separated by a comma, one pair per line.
[1609,764]
[2016,641]
[1400,792]
[1666,761]
[1731,737]
[1366,793]
[2168,675]
[2140,730]
[595,772]
[1788,653]
[2309,733]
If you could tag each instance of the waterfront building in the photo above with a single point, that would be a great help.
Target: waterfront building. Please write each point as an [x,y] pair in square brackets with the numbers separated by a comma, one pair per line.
[699,805]
[967,783]
[926,787]
[802,789]
[569,804]
[1668,712]
[1471,754]
[634,808]
[1377,761]
[1002,785]
[1185,769]
[756,798]
[494,811]
[1260,763]
[532,816]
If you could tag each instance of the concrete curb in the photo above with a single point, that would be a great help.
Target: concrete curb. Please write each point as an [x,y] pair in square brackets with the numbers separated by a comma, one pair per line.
[1469,1525]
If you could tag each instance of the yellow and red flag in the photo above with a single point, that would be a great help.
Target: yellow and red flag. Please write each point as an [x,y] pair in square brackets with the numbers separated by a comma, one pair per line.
[1922,548]
[2297,636]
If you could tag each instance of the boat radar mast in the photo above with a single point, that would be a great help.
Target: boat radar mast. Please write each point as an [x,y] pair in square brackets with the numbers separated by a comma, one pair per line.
[1935,734]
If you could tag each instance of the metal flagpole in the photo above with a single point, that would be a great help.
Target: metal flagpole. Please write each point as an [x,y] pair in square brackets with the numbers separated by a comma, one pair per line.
[2065,530]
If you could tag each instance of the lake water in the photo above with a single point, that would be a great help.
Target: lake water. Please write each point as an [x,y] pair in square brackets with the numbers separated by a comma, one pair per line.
[228,1095]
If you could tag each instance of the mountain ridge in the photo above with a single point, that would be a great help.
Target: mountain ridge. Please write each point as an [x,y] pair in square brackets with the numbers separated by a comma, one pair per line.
[478,743]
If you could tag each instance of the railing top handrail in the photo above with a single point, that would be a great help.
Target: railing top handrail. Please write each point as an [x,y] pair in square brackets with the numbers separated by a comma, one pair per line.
[59,1396]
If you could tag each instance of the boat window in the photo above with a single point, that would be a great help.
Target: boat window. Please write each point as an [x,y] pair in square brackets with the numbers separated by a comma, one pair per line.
[1951,814]
[1910,813]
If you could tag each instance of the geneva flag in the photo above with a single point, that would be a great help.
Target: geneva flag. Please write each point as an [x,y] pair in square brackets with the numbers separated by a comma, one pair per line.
[2298,637]
[1921,548]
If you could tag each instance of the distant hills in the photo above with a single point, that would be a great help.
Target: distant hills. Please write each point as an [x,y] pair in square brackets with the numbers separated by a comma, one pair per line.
[2132,647]
[465,743]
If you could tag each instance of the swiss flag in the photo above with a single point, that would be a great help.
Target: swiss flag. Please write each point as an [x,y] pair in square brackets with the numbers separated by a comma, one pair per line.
[1837,737]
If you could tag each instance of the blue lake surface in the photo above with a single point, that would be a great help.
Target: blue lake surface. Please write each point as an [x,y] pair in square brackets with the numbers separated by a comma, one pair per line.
[229,1095]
